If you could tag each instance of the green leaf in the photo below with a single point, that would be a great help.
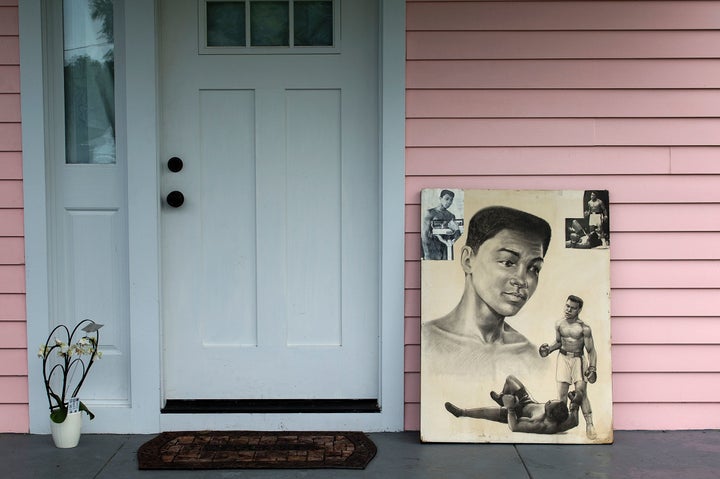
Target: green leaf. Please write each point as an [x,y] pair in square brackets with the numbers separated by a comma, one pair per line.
[83,407]
[59,415]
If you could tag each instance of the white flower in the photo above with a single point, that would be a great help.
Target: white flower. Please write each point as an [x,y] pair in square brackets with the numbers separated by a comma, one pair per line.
[42,352]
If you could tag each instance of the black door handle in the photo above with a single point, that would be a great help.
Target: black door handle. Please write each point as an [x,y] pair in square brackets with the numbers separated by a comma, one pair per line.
[175,164]
[175,199]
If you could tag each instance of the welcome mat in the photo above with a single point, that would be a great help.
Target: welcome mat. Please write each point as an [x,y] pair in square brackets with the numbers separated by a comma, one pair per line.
[257,450]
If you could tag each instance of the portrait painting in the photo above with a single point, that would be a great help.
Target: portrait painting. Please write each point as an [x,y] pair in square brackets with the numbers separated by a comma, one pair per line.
[515,316]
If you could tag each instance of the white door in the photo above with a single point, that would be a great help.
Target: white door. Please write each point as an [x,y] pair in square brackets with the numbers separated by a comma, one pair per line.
[270,276]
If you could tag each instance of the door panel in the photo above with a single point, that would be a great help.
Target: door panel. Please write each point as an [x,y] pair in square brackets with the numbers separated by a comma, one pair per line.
[314,307]
[270,267]
[227,175]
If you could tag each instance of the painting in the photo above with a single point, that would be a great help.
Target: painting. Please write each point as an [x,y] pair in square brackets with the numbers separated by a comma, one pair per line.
[515,316]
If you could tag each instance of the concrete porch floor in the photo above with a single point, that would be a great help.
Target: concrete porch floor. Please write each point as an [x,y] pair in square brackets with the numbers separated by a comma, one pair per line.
[635,454]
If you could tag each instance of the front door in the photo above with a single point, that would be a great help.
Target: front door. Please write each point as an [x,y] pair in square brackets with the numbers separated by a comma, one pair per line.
[270,266]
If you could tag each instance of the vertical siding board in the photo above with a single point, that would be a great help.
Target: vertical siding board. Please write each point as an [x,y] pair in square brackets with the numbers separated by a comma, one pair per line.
[571,15]
[10,165]
[13,335]
[12,251]
[11,221]
[534,95]
[10,138]
[9,107]
[428,132]
[560,74]
[661,416]
[465,45]
[538,103]
[13,345]
[14,418]
[9,79]
[12,307]
[463,161]
[11,194]
[685,160]
[9,50]
[9,24]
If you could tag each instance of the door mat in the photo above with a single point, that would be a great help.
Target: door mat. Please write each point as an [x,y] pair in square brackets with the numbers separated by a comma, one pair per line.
[257,450]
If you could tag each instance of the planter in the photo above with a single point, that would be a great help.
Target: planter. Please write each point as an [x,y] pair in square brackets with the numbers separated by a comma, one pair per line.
[67,433]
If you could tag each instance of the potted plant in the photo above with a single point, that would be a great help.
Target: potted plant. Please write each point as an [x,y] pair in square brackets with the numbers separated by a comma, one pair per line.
[63,359]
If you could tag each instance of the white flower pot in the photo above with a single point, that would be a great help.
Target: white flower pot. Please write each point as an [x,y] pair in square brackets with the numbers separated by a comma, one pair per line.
[67,433]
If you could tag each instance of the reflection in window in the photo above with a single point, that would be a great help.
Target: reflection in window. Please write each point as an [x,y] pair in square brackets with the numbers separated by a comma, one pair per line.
[226,24]
[89,66]
[269,24]
[313,22]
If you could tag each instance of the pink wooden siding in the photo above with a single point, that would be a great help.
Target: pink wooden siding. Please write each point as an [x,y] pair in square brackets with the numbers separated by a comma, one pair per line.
[623,96]
[13,337]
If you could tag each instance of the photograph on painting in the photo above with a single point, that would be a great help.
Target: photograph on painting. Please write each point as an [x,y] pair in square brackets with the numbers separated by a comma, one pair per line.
[515,322]
[442,223]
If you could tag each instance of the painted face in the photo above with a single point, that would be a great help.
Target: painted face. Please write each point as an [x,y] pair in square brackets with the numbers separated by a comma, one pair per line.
[505,271]
[446,200]
[572,309]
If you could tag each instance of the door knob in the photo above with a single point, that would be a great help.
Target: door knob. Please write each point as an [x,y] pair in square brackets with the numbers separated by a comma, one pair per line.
[175,164]
[175,199]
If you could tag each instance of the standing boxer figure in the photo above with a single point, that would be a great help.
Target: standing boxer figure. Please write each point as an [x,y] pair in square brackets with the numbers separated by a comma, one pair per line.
[572,338]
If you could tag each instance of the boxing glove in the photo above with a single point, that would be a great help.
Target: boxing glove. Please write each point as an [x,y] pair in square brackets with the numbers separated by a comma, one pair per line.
[591,375]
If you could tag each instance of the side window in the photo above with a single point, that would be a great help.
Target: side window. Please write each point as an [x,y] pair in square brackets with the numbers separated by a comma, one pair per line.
[89,81]
[268,26]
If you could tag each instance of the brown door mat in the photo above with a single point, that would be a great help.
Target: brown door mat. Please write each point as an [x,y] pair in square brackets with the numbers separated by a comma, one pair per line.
[257,450]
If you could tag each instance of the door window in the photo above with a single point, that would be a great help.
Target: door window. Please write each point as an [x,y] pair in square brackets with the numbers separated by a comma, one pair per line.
[268,26]
[89,81]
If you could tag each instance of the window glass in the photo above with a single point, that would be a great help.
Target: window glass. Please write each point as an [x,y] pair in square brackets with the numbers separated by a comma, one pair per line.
[89,73]
[269,24]
[251,26]
[226,24]
[313,23]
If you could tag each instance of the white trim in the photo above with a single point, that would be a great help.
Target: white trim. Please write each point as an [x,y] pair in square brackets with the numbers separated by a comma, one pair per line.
[143,211]
[392,144]
[143,215]
[35,201]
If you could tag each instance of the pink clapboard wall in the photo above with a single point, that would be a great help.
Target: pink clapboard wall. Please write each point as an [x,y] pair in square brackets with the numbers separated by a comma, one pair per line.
[623,96]
[13,336]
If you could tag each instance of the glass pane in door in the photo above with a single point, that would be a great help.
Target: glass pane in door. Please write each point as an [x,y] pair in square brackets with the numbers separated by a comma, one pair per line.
[225,24]
[269,24]
[89,74]
[313,23]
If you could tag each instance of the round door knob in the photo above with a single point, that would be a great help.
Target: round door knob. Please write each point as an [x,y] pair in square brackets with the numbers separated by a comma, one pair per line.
[175,199]
[175,164]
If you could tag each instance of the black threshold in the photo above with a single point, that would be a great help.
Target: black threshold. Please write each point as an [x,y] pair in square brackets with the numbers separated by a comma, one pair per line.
[269,406]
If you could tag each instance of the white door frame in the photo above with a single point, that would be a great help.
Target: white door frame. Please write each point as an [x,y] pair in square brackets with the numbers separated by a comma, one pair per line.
[143,415]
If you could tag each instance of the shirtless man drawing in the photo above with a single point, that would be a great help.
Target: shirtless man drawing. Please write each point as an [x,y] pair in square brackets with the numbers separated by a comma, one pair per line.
[521,413]
[572,338]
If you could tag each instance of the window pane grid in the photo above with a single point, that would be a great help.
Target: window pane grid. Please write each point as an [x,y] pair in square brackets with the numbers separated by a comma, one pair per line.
[259,24]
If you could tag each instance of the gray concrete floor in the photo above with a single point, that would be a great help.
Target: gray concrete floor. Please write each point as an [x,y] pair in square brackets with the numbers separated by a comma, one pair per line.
[635,454]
